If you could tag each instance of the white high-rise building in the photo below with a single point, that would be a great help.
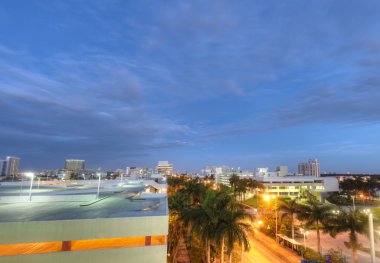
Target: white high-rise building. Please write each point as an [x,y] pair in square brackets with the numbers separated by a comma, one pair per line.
[3,166]
[11,166]
[164,167]
[311,168]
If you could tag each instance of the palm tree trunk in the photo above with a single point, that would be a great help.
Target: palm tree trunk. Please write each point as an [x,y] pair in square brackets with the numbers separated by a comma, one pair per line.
[222,252]
[354,255]
[354,244]
[318,239]
[292,226]
[208,250]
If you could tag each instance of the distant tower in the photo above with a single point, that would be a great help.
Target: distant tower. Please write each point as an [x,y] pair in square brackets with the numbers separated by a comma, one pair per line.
[74,165]
[164,167]
[311,168]
[11,166]
[3,166]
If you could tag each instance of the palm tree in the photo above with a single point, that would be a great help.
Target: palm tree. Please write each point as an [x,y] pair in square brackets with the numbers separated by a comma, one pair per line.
[316,214]
[178,203]
[352,221]
[203,219]
[195,190]
[232,229]
[289,209]
[255,185]
[234,181]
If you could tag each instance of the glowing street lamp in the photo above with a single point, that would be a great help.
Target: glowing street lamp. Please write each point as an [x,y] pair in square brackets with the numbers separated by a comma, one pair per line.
[31,176]
[371,234]
[268,198]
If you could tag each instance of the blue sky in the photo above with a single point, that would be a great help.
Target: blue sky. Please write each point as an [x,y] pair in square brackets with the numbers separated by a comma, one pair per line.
[242,83]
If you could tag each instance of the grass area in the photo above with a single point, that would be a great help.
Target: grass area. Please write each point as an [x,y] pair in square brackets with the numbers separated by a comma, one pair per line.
[254,202]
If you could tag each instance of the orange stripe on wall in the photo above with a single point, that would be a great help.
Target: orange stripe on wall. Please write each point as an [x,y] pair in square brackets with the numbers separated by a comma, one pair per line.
[77,245]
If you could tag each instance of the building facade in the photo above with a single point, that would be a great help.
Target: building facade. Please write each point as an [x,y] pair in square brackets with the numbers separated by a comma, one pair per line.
[3,165]
[164,167]
[311,168]
[114,230]
[282,170]
[9,166]
[295,186]
[74,165]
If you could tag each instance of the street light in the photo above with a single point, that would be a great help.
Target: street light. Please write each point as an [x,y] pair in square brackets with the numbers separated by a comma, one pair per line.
[31,176]
[371,234]
[305,234]
[97,195]
[275,207]
[267,198]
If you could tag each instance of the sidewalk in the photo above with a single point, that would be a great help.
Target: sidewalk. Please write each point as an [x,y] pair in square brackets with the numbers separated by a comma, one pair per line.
[327,242]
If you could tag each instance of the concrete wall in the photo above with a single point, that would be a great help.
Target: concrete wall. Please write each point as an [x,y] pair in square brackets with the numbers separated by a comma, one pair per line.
[60,230]
[63,230]
[151,254]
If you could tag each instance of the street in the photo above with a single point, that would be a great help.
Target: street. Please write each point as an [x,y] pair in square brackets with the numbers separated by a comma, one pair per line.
[266,250]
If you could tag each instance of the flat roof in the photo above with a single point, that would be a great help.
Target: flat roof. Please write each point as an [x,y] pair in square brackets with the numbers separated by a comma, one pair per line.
[114,202]
[291,178]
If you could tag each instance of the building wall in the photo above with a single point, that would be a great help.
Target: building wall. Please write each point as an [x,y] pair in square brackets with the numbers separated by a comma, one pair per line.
[152,254]
[75,165]
[3,165]
[87,229]
[293,187]
[311,168]
[12,164]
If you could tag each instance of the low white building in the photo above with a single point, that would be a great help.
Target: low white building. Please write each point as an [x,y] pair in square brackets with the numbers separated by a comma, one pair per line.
[119,227]
[294,186]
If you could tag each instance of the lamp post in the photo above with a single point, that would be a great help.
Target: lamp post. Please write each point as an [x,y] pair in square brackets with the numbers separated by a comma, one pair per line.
[305,233]
[275,207]
[267,198]
[371,235]
[31,175]
[97,195]
[353,202]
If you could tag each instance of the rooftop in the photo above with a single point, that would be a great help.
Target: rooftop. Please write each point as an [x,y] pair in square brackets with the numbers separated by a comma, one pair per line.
[114,202]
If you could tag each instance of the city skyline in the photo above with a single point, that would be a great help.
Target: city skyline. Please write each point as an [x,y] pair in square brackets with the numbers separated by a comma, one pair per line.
[253,84]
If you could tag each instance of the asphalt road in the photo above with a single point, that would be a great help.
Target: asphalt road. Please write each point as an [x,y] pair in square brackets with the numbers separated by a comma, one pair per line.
[266,250]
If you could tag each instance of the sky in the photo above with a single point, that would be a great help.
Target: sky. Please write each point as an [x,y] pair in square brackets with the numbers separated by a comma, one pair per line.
[249,84]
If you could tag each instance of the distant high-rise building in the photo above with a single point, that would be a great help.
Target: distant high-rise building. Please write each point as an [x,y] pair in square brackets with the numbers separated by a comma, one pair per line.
[3,166]
[74,165]
[164,167]
[311,168]
[11,166]
[282,170]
